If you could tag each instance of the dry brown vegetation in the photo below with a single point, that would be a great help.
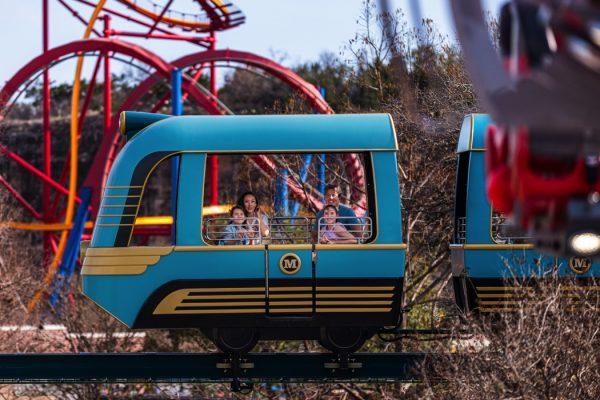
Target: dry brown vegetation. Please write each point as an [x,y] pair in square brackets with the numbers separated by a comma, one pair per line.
[547,351]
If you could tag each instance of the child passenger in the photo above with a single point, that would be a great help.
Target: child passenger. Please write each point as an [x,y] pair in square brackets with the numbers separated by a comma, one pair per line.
[331,231]
[237,232]
[258,220]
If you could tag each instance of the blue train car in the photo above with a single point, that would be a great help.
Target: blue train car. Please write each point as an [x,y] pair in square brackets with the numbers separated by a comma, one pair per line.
[485,258]
[339,294]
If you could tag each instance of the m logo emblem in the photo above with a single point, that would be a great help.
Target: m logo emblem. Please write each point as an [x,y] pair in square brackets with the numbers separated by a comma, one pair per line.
[580,265]
[289,264]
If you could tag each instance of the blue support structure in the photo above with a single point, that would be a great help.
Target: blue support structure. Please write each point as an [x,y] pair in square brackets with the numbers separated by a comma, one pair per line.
[321,164]
[69,258]
[281,197]
[321,174]
[307,159]
[176,109]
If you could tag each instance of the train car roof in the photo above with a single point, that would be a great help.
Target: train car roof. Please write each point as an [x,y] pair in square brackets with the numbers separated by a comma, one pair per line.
[270,133]
[472,133]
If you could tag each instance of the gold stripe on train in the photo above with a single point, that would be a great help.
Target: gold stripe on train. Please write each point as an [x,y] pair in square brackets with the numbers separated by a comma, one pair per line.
[212,311]
[95,261]
[128,251]
[291,296]
[114,270]
[226,290]
[354,295]
[352,288]
[289,303]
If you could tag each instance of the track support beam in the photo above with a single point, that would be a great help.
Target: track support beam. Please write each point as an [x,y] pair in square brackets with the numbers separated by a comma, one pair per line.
[210,367]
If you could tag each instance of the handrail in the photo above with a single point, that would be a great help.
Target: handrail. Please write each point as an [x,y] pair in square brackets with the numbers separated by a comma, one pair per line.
[362,231]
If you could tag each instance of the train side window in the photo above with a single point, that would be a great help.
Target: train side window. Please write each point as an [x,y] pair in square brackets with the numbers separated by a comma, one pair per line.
[503,233]
[288,188]
[460,205]
[154,219]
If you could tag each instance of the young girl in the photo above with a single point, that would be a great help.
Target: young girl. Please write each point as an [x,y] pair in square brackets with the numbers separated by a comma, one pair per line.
[237,232]
[331,231]
[258,220]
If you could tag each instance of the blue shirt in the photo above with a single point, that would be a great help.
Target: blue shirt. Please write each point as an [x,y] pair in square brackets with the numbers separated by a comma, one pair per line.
[343,211]
[230,236]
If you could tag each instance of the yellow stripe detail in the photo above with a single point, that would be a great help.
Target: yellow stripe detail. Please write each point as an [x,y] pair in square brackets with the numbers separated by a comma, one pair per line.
[290,296]
[225,311]
[341,288]
[95,261]
[290,303]
[223,304]
[114,270]
[355,303]
[226,289]
[353,295]
[226,296]
[290,310]
[128,251]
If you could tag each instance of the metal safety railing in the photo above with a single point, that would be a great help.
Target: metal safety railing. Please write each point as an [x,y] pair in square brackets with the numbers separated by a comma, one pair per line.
[223,231]
[290,230]
[503,231]
[461,230]
[345,229]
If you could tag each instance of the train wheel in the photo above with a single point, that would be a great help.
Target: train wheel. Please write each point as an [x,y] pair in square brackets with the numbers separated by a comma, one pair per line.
[343,340]
[235,340]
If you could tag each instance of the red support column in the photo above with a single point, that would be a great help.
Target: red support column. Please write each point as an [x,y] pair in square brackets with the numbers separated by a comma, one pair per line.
[47,134]
[107,82]
[213,160]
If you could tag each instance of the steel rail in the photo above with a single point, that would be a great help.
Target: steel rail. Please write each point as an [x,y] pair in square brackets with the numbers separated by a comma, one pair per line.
[211,367]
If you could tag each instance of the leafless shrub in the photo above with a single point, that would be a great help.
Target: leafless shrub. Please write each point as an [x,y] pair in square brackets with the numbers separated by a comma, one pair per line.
[548,349]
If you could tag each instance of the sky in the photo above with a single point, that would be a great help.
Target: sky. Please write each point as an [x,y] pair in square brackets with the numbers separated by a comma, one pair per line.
[289,31]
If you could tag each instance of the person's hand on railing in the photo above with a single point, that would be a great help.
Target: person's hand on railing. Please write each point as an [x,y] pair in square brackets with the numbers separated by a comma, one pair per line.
[324,240]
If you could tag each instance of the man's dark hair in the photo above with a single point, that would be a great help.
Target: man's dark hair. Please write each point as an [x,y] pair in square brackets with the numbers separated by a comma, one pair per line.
[331,186]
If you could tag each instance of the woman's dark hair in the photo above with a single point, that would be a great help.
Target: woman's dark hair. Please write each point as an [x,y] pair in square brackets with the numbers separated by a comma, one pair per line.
[240,201]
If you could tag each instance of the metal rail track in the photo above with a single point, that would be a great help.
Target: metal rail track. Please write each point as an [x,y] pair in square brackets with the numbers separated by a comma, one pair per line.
[210,367]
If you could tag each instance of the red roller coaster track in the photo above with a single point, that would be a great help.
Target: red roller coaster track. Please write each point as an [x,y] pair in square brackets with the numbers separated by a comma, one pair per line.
[107,48]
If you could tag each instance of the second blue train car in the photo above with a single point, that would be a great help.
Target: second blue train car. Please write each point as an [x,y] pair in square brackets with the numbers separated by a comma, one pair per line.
[490,266]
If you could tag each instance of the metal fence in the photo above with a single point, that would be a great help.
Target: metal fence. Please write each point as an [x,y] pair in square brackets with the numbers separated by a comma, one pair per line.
[222,231]
[282,230]
[290,230]
[361,231]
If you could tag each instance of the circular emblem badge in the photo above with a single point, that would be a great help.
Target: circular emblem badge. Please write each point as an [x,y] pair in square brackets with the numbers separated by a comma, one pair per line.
[580,265]
[289,263]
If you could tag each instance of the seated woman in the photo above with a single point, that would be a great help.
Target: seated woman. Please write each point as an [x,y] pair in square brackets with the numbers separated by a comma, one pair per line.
[258,220]
[331,231]
[237,231]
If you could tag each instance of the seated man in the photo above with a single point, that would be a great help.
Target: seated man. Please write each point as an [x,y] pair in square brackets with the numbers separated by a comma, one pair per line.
[346,215]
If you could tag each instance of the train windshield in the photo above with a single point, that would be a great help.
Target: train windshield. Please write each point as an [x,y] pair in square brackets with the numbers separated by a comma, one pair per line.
[282,199]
